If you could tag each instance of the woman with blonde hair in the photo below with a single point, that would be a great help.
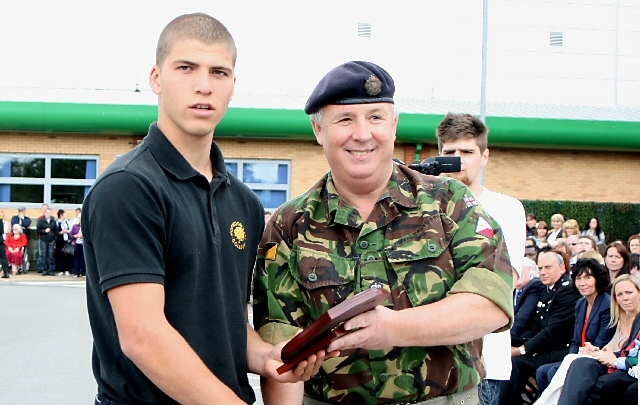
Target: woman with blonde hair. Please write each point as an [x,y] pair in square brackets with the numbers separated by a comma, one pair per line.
[571,227]
[557,221]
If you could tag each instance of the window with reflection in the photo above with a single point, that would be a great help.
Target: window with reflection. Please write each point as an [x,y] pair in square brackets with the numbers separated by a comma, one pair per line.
[269,179]
[37,179]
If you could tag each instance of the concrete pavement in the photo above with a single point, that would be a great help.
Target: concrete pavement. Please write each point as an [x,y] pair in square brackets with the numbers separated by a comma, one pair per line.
[45,357]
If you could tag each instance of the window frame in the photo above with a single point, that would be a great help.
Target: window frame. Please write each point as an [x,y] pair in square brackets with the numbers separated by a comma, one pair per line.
[286,187]
[47,181]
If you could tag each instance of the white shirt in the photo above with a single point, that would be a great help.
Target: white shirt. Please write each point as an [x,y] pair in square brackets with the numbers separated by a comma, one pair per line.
[509,213]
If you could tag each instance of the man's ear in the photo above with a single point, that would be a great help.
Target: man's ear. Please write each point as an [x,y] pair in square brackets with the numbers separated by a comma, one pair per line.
[317,131]
[485,157]
[154,80]
[395,127]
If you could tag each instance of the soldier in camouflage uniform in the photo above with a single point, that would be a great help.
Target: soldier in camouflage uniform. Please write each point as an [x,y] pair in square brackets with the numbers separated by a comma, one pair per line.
[371,222]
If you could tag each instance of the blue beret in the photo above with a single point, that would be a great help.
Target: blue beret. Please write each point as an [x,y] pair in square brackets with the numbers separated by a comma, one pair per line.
[352,83]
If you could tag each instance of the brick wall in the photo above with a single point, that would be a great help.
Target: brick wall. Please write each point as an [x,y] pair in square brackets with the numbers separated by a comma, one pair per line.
[523,174]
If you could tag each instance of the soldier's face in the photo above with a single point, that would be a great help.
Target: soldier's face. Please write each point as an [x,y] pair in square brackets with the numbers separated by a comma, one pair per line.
[358,141]
[550,270]
[472,159]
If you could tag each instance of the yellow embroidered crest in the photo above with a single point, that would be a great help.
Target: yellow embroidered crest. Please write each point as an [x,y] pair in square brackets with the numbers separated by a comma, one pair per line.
[238,235]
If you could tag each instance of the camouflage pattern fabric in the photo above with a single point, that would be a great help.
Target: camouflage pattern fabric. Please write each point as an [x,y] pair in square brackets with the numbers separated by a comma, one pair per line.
[422,242]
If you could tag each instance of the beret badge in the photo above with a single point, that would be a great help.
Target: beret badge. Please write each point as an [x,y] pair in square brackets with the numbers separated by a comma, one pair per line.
[373,85]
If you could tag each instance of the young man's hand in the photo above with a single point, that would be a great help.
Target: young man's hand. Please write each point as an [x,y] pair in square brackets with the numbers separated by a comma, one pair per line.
[303,371]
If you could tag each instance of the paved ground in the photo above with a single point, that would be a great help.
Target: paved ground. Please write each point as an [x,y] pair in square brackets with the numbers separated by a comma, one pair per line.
[45,350]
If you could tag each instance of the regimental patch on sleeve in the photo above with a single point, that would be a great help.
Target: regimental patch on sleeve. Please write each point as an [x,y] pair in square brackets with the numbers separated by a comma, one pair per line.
[483,228]
[470,201]
[271,249]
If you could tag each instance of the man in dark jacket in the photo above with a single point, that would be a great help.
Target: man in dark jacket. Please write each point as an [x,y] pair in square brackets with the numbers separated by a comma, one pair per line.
[47,229]
[526,296]
[22,219]
[547,338]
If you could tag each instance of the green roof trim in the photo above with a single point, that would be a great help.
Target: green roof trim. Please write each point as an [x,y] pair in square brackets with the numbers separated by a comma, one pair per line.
[118,119]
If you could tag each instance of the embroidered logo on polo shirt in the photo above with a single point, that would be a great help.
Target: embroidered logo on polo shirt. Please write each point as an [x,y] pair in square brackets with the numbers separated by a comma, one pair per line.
[238,235]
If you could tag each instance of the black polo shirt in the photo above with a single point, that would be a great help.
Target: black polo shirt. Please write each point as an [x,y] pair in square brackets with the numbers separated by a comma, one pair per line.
[151,217]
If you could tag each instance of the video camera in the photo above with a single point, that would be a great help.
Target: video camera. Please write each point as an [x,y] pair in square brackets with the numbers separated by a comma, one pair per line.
[441,164]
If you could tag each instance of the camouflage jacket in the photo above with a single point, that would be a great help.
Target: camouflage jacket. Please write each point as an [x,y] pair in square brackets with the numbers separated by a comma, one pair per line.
[425,238]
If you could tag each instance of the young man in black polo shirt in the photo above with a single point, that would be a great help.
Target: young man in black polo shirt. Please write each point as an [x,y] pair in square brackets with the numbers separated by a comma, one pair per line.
[170,240]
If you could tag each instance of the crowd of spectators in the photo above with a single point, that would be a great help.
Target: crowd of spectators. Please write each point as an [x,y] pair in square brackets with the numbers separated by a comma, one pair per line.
[576,334]
[53,235]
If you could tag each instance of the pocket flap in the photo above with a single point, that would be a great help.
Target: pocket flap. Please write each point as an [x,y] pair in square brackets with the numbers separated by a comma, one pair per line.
[314,269]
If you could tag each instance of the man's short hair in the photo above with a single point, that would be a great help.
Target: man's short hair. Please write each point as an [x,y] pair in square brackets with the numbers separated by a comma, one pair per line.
[531,215]
[634,260]
[455,126]
[198,26]
[592,239]
[561,256]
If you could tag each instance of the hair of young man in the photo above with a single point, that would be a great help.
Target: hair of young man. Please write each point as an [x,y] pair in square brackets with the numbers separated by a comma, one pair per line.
[616,310]
[455,126]
[198,26]
[634,260]
[594,269]
[531,215]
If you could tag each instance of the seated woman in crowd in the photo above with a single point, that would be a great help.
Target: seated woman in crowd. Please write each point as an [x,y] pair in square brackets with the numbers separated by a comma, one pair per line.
[541,234]
[594,229]
[15,243]
[604,375]
[617,259]
[571,227]
[633,244]
[557,221]
[593,325]
[634,263]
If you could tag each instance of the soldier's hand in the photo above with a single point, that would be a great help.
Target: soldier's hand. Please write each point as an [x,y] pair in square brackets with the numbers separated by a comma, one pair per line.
[370,330]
